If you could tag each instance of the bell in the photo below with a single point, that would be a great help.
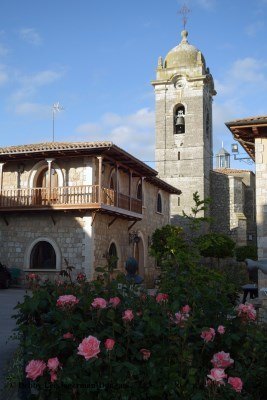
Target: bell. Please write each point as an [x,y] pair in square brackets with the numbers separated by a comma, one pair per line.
[179,120]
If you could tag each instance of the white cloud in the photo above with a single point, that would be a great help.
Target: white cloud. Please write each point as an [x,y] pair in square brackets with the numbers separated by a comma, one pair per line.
[133,132]
[29,84]
[3,50]
[30,35]
[242,76]
[207,4]
[33,109]
[3,75]
[254,28]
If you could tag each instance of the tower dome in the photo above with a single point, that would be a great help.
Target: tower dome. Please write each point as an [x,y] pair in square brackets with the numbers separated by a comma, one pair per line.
[184,55]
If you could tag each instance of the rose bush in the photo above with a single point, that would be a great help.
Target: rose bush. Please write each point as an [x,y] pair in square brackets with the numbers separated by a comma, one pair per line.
[138,347]
[104,340]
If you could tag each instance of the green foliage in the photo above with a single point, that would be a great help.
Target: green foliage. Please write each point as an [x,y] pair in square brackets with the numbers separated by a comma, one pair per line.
[216,245]
[244,252]
[192,299]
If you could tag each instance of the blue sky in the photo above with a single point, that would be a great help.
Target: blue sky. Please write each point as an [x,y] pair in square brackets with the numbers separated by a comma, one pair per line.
[98,59]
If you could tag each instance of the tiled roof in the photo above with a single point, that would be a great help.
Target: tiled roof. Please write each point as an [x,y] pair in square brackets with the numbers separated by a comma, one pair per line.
[258,119]
[40,147]
[163,185]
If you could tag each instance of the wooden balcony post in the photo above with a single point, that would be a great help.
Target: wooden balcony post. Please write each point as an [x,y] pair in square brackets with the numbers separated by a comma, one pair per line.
[49,162]
[117,185]
[100,159]
[130,189]
[1,176]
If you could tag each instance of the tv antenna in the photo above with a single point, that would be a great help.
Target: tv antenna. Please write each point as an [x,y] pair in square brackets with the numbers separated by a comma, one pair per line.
[56,107]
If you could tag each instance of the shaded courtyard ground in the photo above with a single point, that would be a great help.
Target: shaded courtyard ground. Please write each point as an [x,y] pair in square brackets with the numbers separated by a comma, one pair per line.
[8,300]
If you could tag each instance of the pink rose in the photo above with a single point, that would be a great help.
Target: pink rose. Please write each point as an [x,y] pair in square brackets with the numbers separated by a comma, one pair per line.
[109,344]
[53,364]
[162,297]
[208,335]
[81,277]
[35,368]
[246,312]
[68,335]
[221,329]
[89,347]
[217,375]
[99,303]
[186,309]
[146,354]
[128,315]
[236,383]
[33,277]
[114,301]
[222,360]
[67,301]
[53,376]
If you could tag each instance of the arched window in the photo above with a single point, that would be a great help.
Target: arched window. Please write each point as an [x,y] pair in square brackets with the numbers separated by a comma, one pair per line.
[159,203]
[113,255]
[43,256]
[179,122]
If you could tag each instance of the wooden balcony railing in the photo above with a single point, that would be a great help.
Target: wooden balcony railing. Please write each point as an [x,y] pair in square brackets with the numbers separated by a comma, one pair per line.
[86,196]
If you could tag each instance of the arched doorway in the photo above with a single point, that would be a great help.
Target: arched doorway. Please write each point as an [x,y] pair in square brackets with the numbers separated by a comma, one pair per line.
[43,256]
[42,185]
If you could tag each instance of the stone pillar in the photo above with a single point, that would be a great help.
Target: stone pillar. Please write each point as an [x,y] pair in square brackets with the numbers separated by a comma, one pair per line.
[49,162]
[261,203]
[88,247]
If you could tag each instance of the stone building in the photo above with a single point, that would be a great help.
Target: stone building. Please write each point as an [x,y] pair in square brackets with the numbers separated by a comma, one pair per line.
[233,204]
[77,203]
[184,91]
[251,133]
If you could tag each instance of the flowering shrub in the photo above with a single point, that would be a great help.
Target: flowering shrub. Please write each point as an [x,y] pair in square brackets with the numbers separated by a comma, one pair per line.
[137,347]
[92,340]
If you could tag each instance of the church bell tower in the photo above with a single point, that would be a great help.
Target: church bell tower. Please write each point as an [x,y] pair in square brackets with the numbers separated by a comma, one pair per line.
[183,92]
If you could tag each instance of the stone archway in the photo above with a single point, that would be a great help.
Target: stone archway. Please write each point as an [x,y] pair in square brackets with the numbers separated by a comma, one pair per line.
[139,255]
[50,248]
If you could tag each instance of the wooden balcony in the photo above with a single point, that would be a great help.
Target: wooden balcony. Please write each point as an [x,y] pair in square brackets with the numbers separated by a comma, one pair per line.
[70,198]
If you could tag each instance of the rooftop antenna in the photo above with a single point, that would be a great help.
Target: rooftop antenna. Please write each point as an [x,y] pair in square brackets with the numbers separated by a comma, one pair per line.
[56,107]
[184,11]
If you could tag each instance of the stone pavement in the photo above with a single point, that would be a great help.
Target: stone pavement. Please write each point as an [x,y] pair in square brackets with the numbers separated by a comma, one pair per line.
[8,300]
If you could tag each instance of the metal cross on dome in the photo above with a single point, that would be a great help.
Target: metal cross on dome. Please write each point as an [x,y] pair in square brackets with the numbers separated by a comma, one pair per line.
[184,11]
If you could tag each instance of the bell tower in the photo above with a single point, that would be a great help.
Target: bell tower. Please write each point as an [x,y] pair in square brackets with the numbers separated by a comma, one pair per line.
[183,92]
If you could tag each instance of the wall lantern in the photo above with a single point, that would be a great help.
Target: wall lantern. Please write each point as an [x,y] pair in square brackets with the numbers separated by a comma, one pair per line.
[133,237]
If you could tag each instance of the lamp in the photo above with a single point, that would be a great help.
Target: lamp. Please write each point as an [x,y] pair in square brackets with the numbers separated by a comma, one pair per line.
[133,237]
[21,168]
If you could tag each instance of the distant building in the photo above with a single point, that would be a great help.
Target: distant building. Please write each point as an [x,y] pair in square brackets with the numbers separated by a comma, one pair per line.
[78,203]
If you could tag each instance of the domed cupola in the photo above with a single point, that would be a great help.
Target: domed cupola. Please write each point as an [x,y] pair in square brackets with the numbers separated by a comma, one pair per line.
[184,55]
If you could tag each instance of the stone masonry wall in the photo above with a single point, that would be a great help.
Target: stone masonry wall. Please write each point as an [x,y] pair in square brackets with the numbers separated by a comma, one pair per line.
[23,229]
[261,202]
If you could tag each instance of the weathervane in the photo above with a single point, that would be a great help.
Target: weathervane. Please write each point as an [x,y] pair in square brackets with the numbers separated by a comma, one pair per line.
[184,11]
[56,107]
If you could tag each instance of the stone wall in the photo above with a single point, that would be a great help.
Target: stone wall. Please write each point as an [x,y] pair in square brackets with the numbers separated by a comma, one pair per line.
[233,205]
[65,230]
[118,233]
